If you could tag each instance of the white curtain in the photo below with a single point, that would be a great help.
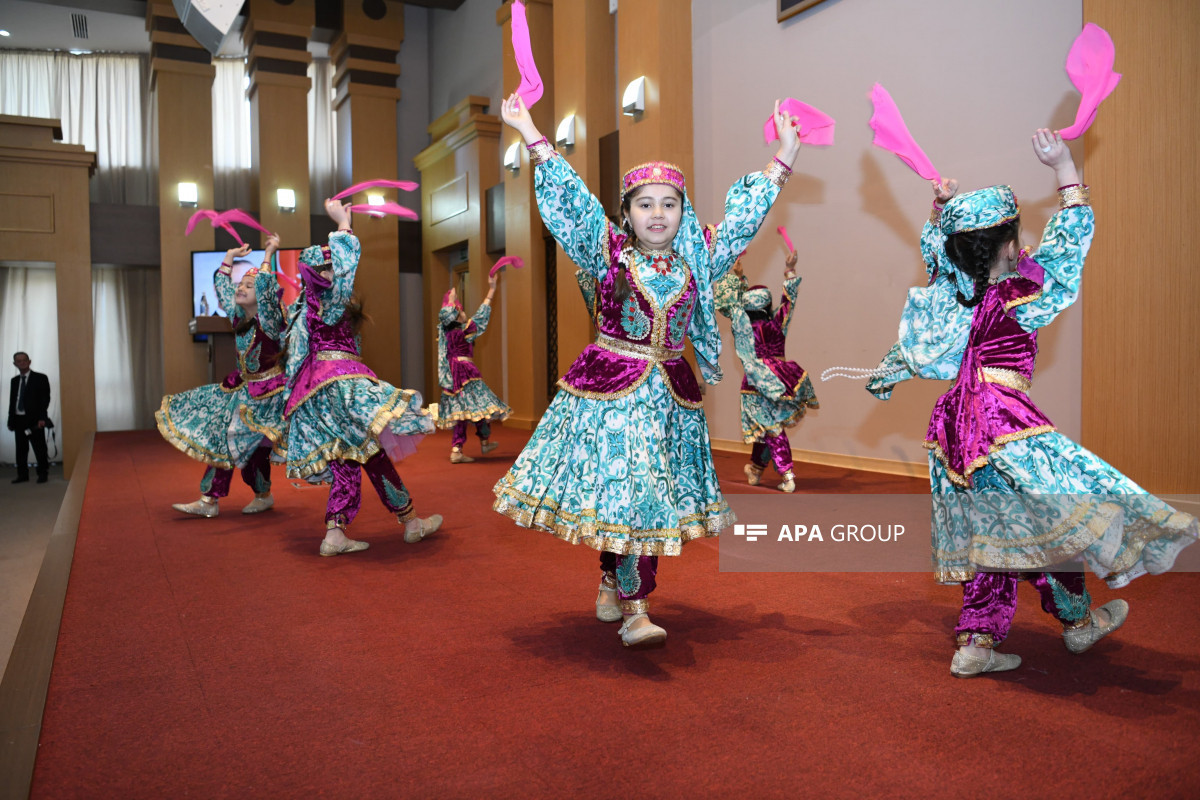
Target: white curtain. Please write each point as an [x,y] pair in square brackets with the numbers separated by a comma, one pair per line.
[101,100]
[126,305]
[29,323]
[322,134]
[231,134]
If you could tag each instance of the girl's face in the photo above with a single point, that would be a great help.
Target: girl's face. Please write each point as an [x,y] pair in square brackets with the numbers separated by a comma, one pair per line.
[655,213]
[244,294]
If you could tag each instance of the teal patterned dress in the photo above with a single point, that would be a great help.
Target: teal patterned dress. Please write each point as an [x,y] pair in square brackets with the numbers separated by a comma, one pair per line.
[338,409]
[621,460]
[1010,493]
[465,396]
[207,422]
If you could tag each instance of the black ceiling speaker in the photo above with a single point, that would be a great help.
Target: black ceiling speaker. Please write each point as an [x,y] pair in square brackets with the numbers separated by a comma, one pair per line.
[208,20]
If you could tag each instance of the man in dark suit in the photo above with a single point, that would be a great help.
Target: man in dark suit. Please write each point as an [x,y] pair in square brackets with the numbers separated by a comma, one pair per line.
[28,403]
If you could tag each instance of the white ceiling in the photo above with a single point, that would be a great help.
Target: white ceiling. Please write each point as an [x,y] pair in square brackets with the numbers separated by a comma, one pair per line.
[48,26]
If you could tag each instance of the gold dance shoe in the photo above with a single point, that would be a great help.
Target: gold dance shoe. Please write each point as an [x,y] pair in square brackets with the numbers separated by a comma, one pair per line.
[487,447]
[608,612]
[753,474]
[427,526]
[457,456]
[1080,639]
[259,504]
[204,507]
[789,483]
[964,665]
[644,636]
[351,546]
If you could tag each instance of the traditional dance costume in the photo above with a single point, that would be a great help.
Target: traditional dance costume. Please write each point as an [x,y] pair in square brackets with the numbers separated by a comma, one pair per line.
[339,415]
[776,392]
[1010,494]
[465,397]
[207,422]
[621,459]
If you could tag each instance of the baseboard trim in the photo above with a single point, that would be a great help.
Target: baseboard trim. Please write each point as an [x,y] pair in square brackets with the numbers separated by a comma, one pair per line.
[886,466]
[27,677]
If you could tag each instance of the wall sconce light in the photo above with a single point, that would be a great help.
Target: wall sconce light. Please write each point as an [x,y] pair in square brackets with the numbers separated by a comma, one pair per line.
[286,199]
[375,200]
[189,195]
[633,100]
[512,158]
[565,135]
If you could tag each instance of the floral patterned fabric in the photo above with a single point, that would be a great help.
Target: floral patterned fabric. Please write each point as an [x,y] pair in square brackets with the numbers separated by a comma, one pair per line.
[207,422]
[466,398]
[621,460]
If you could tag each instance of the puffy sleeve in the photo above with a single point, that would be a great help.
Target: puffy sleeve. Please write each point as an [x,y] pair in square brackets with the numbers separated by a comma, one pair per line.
[587,288]
[746,205]
[345,251]
[270,312]
[573,215]
[1065,244]
[478,323]
[787,303]
[223,282]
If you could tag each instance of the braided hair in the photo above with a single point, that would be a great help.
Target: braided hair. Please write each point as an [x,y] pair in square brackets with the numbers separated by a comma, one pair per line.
[974,253]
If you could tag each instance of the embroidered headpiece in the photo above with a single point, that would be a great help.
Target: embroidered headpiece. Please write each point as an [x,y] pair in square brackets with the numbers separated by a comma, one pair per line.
[756,298]
[982,208]
[318,255]
[652,172]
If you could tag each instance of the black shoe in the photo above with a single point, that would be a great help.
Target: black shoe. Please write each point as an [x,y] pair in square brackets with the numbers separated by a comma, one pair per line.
[43,478]
[21,480]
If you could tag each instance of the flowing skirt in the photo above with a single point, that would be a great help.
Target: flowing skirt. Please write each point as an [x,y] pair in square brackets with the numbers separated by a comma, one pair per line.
[207,423]
[1044,501]
[763,417]
[344,420]
[474,402]
[632,475]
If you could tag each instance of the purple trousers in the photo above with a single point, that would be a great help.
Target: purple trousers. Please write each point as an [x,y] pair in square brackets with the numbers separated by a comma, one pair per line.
[256,473]
[458,436]
[774,448]
[345,496]
[635,574]
[990,601]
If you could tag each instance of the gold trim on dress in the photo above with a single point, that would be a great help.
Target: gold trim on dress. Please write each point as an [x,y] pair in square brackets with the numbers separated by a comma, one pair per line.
[642,352]
[777,172]
[631,607]
[337,355]
[540,152]
[1005,377]
[1020,301]
[961,479]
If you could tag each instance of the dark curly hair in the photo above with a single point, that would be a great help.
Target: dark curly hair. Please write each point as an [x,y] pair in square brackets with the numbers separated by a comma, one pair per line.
[974,253]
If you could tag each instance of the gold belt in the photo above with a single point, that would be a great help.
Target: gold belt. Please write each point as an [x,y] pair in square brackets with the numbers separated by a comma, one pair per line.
[462,358]
[1005,377]
[643,352]
[337,355]
[252,377]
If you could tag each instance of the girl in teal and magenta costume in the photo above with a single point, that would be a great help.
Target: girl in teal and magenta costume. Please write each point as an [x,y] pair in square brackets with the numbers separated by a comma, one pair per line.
[206,422]
[1012,497]
[341,418]
[776,393]
[621,459]
[465,396]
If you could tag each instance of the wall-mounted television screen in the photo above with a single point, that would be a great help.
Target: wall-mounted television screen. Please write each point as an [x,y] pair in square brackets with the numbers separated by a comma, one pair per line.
[204,267]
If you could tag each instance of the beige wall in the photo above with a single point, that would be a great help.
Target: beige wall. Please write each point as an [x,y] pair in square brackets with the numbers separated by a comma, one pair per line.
[973,80]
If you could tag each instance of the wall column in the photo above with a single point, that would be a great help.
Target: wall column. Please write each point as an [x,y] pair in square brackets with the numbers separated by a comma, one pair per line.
[366,71]
[277,39]
[584,85]
[524,291]
[1140,285]
[181,77]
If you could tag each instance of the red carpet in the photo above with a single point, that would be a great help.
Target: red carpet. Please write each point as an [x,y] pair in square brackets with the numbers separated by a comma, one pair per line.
[223,658]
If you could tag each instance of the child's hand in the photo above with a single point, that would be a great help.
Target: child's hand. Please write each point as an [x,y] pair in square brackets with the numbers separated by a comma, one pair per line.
[942,192]
[516,115]
[789,264]
[789,135]
[1050,149]
[738,270]
[272,245]
[338,213]
[492,281]
[238,252]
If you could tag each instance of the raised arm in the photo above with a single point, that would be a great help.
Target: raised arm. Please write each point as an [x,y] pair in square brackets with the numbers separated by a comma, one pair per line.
[345,250]
[479,322]
[267,290]
[791,285]
[223,282]
[1065,241]
[573,215]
